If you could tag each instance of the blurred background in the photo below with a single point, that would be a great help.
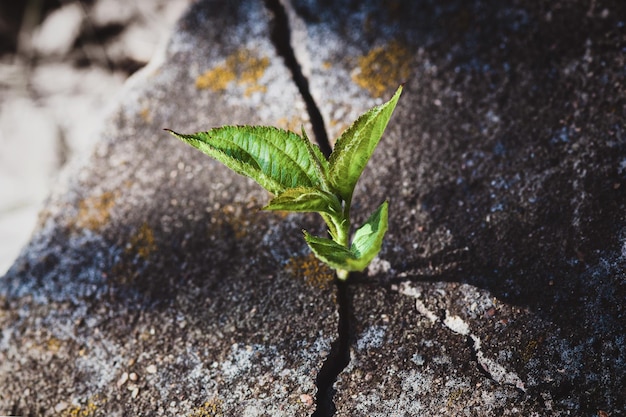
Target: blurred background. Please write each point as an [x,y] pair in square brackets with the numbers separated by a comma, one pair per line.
[62,62]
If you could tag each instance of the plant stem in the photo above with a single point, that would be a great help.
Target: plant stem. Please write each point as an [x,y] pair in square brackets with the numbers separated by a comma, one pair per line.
[343,226]
[342,274]
[343,232]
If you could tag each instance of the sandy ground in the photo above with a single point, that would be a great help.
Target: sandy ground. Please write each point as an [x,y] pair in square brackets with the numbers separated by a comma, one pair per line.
[61,64]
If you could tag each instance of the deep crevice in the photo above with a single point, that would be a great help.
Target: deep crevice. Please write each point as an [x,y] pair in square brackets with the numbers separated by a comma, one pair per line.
[339,355]
[281,37]
[338,358]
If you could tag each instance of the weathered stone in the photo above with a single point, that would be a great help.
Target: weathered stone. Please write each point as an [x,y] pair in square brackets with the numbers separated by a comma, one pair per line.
[154,285]
[504,167]
[69,91]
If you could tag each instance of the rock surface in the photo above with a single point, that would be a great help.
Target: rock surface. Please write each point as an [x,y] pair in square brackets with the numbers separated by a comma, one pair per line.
[60,67]
[504,167]
[154,285]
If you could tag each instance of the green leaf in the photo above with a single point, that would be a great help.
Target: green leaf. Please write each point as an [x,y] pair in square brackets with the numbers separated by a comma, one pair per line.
[319,160]
[368,238]
[277,159]
[332,225]
[329,251]
[356,145]
[366,244]
[305,199]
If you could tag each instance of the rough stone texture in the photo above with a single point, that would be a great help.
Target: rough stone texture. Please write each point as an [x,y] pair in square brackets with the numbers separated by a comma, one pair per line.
[504,167]
[154,285]
[61,66]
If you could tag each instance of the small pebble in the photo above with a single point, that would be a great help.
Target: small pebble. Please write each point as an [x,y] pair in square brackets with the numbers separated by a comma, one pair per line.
[306,399]
[60,406]
[122,379]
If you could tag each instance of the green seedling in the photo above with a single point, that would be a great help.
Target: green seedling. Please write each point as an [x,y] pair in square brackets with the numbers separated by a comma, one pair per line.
[302,179]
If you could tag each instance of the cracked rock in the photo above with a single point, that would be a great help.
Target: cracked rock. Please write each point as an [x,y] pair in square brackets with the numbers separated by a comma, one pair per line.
[154,285]
[503,167]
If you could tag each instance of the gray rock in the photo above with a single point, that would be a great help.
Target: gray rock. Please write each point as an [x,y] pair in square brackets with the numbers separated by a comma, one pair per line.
[105,13]
[59,31]
[154,285]
[71,90]
[26,170]
[504,167]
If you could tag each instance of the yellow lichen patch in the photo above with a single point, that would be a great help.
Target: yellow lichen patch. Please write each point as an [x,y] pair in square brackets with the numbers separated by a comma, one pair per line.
[454,396]
[311,269]
[338,126]
[530,349]
[237,217]
[142,243]
[87,410]
[294,124]
[383,69]
[94,212]
[50,345]
[243,67]
[145,114]
[212,408]
[54,345]
[216,79]
[43,217]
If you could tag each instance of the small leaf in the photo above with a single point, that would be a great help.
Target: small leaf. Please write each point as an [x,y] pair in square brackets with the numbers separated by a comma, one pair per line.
[234,157]
[319,160]
[332,225]
[277,159]
[368,238]
[329,251]
[366,244]
[356,145]
[305,199]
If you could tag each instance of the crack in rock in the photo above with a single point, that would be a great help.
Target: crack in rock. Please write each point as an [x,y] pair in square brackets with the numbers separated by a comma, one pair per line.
[281,37]
[339,357]
[337,360]
[457,325]
[496,371]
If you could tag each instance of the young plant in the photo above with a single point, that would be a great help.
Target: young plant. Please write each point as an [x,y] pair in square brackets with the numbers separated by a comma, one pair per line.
[303,180]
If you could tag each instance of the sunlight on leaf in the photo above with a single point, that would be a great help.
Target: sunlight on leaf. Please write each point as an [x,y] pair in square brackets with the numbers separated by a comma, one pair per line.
[303,180]
[356,145]
[277,159]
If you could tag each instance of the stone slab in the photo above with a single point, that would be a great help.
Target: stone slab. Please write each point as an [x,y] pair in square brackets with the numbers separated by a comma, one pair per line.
[154,285]
[504,168]
[500,286]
